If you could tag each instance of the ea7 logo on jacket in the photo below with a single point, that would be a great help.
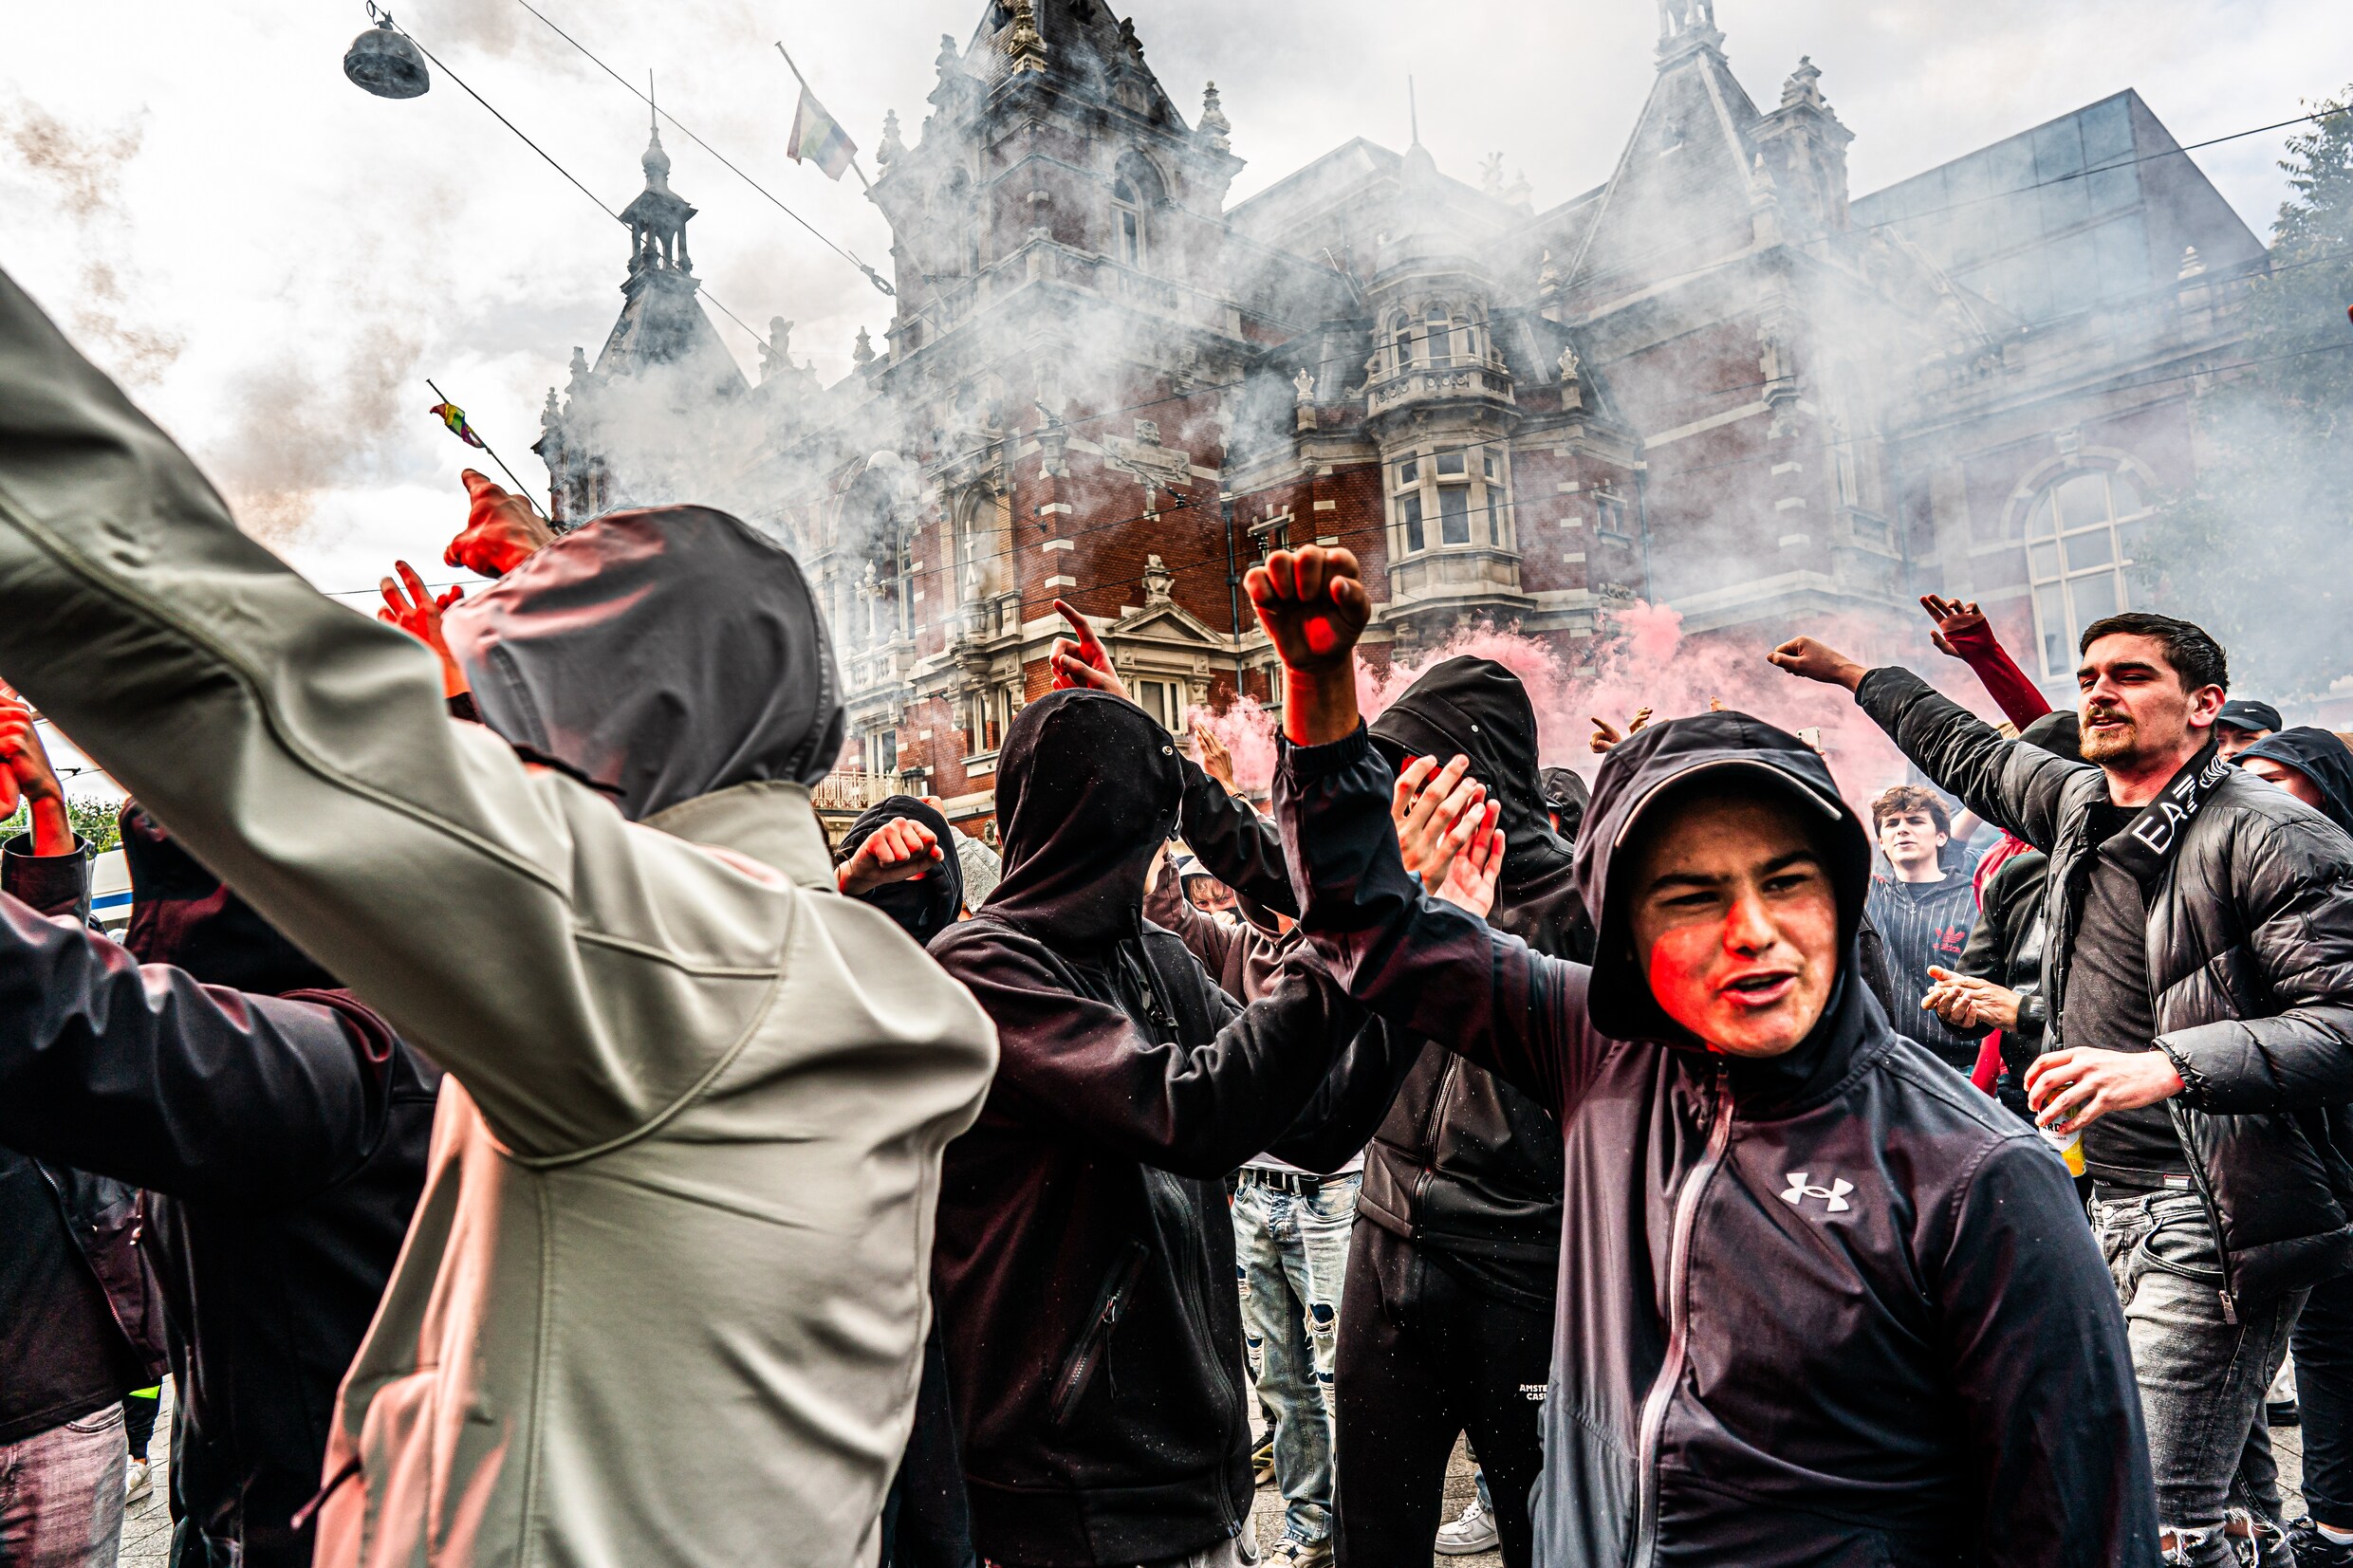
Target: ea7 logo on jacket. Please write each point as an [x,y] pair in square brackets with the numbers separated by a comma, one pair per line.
[1836,1192]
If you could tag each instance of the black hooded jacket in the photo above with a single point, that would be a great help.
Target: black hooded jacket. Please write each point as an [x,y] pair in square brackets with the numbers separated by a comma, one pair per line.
[1837,1308]
[281,1131]
[2320,756]
[1084,1258]
[923,906]
[2249,948]
[1464,1164]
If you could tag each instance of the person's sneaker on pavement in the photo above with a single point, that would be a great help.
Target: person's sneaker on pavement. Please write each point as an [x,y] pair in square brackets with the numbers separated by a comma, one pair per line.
[1473,1530]
[1291,1552]
[1262,1461]
[138,1480]
[2313,1549]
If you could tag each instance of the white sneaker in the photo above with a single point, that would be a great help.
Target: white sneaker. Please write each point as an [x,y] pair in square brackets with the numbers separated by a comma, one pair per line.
[139,1480]
[1474,1531]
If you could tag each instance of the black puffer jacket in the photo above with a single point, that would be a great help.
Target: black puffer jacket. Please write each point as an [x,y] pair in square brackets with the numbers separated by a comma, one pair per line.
[1836,1308]
[1084,1258]
[282,1139]
[2250,950]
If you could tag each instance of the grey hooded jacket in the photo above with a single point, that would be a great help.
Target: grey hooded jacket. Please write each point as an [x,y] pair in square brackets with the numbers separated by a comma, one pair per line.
[663,1298]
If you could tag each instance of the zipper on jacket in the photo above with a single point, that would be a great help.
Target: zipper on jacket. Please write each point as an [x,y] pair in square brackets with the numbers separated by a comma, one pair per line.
[2206,1201]
[1679,1321]
[1448,1077]
[1079,1370]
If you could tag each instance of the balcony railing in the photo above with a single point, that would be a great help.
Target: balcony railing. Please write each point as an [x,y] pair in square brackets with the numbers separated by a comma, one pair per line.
[1431,383]
[842,790]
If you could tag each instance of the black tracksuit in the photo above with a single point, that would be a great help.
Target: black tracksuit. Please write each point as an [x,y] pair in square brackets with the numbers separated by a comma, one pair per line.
[1085,1260]
[1835,1307]
[282,1139]
[1925,924]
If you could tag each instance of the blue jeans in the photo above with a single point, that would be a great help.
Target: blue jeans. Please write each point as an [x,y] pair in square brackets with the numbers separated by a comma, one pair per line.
[61,1494]
[2202,1378]
[1292,1252]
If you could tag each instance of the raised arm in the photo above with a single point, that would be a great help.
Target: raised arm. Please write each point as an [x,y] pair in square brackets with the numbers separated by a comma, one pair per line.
[140,1074]
[1081,1069]
[509,922]
[1963,632]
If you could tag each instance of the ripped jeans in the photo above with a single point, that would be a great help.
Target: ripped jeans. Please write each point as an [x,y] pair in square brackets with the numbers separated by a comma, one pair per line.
[1292,1252]
[2202,1378]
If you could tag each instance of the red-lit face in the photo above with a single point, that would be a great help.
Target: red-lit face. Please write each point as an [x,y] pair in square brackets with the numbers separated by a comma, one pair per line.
[2291,780]
[1736,924]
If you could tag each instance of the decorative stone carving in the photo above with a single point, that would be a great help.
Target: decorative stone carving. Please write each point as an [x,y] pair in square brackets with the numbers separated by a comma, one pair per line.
[1804,86]
[1570,365]
[863,355]
[1549,275]
[1303,384]
[892,147]
[776,354]
[1215,128]
[1160,582]
[1022,43]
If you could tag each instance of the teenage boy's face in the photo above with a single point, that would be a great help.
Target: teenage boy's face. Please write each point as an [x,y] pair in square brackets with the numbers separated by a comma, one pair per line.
[1907,836]
[1737,923]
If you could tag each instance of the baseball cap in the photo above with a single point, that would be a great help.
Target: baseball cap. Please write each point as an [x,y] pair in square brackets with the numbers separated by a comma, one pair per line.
[2247,713]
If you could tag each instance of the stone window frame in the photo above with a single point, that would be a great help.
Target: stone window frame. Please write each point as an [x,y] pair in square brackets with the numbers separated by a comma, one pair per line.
[2072,545]
[1418,487]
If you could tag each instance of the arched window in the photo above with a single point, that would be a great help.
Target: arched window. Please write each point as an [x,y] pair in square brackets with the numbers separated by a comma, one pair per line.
[2081,533]
[1401,341]
[980,560]
[1128,222]
[1439,334]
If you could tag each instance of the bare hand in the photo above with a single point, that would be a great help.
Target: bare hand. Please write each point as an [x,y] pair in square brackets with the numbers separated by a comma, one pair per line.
[502,531]
[1429,802]
[902,850]
[1312,604]
[26,774]
[1476,862]
[1607,734]
[1080,660]
[1953,620]
[1966,1002]
[1811,660]
[1217,761]
[410,605]
[2074,1088]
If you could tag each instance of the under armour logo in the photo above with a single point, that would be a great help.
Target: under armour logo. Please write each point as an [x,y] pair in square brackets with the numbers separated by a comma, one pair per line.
[1836,1191]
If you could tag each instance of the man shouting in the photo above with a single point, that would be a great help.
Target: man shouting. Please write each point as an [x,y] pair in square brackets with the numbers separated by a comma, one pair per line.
[1821,1303]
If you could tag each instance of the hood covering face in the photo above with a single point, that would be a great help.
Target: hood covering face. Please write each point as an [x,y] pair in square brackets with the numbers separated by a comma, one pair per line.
[927,905]
[1479,708]
[1087,789]
[1567,794]
[659,655]
[2320,757]
[181,914]
[1656,766]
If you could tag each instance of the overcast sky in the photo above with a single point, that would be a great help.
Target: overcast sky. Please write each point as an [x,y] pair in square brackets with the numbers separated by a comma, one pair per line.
[275,260]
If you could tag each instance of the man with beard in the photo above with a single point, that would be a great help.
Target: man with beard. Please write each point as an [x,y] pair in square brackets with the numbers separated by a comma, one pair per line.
[663,1299]
[2198,967]
[1796,1321]
[1085,1257]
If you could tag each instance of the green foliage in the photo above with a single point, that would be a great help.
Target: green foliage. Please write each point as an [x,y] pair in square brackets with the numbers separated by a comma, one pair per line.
[98,823]
[2261,554]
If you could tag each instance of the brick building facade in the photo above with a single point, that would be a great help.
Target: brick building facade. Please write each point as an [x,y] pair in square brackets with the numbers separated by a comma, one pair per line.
[1715,381]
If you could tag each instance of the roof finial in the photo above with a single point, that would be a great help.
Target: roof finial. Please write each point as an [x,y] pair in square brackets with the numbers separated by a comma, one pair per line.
[1413,110]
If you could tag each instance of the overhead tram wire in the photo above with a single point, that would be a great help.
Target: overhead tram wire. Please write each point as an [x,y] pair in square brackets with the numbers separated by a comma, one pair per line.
[872,276]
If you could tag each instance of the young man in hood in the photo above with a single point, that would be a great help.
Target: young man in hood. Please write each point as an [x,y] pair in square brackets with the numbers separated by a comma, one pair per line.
[1086,1255]
[2198,972]
[1821,1302]
[663,1300]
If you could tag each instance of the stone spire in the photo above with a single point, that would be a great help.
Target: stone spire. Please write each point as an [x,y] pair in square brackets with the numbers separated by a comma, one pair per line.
[1686,26]
[656,218]
[1215,128]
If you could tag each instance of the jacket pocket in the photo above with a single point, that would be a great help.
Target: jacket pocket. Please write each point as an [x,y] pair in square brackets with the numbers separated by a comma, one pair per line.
[1111,1303]
[395,1469]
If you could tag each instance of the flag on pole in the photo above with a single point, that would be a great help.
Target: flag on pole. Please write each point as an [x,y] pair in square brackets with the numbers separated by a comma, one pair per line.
[454,417]
[818,138]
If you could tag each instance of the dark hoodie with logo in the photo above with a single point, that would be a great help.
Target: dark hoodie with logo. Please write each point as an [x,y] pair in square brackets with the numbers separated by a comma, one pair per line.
[1832,1308]
[1084,1256]
[281,1131]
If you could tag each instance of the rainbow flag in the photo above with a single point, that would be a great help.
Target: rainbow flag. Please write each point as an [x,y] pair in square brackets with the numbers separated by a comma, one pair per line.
[818,138]
[454,417]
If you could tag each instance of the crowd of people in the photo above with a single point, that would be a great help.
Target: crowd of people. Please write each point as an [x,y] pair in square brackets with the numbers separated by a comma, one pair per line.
[523,1138]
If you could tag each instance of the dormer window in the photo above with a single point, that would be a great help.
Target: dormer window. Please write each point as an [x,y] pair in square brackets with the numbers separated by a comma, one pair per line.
[1127,223]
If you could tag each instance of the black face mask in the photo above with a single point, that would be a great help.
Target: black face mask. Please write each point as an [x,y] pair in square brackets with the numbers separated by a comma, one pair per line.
[182,914]
[927,905]
[1087,787]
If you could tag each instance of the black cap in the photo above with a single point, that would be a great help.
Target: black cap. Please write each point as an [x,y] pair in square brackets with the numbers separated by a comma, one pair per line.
[2247,713]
